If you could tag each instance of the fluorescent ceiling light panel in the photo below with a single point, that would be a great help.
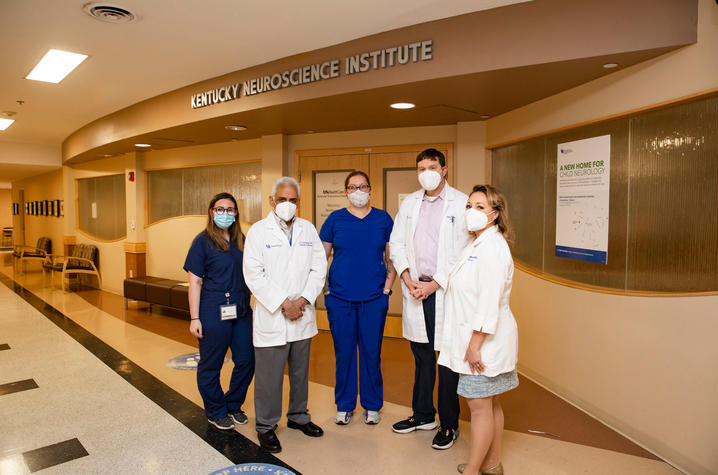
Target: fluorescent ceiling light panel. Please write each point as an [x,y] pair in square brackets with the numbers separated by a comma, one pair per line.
[5,123]
[55,65]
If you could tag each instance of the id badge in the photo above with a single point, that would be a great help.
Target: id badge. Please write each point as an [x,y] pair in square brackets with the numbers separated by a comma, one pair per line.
[228,312]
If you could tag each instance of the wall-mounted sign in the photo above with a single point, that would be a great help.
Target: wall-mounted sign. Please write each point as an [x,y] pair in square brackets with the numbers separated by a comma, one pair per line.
[358,63]
[583,178]
[215,96]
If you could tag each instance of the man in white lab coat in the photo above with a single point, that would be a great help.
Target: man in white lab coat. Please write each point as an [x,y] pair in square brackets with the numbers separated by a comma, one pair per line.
[285,268]
[428,236]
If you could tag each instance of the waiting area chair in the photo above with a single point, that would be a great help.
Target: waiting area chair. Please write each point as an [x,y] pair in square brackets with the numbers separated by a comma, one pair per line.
[6,237]
[40,252]
[84,260]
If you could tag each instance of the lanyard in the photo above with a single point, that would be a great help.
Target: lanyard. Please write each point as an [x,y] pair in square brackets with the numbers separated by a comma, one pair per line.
[291,233]
[226,294]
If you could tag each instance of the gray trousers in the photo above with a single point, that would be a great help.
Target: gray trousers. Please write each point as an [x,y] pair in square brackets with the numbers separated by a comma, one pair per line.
[268,381]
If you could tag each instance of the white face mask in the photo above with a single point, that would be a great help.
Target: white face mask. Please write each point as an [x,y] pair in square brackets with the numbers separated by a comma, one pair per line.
[429,180]
[476,220]
[359,198]
[285,210]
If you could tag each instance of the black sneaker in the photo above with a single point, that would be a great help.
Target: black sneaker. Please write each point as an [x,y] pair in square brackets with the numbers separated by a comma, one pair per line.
[239,417]
[224,423]
[411,424]
[445,438]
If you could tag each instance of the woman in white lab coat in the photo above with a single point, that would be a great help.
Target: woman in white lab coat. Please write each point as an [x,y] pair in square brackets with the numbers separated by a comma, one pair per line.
[480,338]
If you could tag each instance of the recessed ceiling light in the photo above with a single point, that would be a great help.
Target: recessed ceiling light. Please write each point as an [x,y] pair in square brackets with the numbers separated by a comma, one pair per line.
[105,155]
[235,127]
[142,145]
[310,131]
[5,123]
[610,65]
[402,105]
[55,65]
[484,116]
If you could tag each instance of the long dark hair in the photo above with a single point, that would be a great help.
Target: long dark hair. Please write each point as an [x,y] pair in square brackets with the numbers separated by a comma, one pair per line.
[215,232]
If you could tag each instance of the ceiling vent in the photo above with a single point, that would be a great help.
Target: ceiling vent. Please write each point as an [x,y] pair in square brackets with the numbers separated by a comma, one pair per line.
[109,13]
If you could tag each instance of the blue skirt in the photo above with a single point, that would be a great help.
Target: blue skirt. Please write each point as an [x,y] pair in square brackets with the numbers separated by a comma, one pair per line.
[475,386]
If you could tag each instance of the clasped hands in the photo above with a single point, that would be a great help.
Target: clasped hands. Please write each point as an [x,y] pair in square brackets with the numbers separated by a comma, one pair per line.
[293,309]
[418,289]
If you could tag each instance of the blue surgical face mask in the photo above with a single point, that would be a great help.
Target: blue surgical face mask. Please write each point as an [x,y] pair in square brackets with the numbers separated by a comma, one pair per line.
[224,220]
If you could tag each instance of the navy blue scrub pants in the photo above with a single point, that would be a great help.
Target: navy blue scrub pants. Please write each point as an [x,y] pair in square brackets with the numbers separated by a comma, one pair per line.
[357,325]
[218,336]
[425,375]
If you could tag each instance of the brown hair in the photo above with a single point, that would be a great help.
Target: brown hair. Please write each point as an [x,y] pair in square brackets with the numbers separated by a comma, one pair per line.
[432,154]
[215,232]
[356,173]
[497,201]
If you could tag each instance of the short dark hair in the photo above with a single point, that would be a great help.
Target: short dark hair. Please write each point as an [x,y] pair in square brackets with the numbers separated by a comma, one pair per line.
[356,173]
[432,154]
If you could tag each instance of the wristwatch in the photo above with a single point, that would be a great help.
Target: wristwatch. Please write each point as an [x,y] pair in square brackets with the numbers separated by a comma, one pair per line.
[387,292]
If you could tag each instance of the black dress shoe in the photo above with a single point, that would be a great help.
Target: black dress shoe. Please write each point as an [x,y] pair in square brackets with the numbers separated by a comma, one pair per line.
[269,442]
[310,428]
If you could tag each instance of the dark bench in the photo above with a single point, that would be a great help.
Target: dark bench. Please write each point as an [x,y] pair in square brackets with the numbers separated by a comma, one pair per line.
[157,291]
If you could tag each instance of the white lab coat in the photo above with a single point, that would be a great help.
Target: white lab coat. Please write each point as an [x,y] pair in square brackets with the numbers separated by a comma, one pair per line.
[453,237]
[478,299]
[275,270]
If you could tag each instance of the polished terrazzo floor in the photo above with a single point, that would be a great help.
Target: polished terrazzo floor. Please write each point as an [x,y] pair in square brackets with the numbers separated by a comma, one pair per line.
[102,380]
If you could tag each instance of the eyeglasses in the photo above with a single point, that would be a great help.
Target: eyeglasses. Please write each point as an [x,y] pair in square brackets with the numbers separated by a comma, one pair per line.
[221,210]
[362,187]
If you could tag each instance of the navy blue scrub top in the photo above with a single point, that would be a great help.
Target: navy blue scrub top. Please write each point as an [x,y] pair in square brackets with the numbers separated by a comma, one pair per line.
[358,271]
[221,271]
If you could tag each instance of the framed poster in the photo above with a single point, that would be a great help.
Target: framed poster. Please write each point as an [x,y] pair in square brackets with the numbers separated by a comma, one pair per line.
[57,208]
[47,208]
[583,181]
[51,208]
[27,208]
[32,208]
[40,208]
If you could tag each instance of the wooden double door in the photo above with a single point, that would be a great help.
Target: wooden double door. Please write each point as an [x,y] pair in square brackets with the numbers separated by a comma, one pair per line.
[392,172]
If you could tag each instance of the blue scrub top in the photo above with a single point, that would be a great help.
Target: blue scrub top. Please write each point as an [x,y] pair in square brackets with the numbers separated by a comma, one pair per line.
[221,271]
[358,271]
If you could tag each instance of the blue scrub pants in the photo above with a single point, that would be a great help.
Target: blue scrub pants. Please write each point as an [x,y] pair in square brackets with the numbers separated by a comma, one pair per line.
[357,325]
[218,336]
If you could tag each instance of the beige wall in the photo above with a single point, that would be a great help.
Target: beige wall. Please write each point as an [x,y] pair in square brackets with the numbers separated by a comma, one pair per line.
[646,366]
[168,240]
[112,254]
[6,207]
[42,187]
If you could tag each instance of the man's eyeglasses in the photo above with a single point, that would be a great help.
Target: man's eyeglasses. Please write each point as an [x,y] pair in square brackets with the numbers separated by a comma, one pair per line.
[220,210]
[363,187]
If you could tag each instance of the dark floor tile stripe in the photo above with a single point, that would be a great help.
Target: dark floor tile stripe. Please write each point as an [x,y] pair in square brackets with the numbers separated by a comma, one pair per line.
[17,386]
[4,346]
[54,454]
[233,445]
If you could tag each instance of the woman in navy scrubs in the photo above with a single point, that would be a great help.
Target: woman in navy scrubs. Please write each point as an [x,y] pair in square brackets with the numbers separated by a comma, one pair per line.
[358,297]
[220,314]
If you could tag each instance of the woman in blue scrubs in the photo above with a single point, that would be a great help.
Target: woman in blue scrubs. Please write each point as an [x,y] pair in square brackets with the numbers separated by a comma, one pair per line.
[358,297]
[220,314]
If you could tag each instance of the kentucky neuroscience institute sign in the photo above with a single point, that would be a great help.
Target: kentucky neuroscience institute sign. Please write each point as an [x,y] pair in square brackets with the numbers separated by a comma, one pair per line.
[583,178]
[355,64]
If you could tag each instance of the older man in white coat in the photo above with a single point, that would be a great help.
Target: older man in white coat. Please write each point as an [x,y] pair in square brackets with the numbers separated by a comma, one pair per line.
[284,266]
[428,236]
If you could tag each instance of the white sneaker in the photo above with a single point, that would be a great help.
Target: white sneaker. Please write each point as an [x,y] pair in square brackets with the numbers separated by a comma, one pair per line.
[342,418]
[371,417]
